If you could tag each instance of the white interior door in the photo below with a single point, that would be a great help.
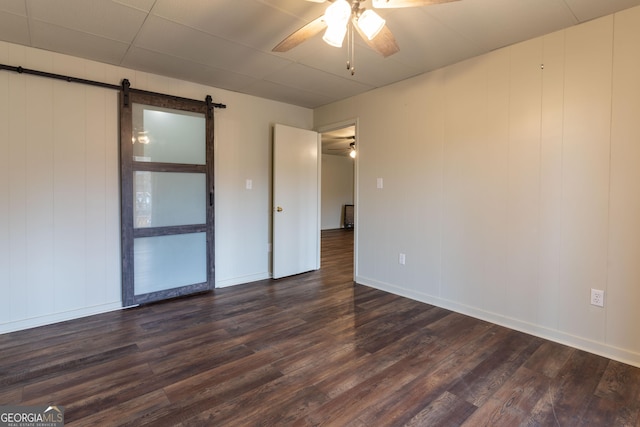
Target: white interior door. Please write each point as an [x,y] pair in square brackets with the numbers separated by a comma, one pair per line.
[296,190]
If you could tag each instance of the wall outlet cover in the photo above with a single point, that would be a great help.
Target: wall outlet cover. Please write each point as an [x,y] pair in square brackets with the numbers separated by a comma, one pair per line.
[597,297]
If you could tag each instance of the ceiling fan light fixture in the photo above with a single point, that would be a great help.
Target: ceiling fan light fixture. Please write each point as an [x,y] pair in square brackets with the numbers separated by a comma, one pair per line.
[337,14]
[336,17]
[370,23]
[352,153]
[334,36]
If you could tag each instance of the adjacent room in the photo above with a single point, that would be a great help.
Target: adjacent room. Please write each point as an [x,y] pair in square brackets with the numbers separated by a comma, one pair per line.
[308,212]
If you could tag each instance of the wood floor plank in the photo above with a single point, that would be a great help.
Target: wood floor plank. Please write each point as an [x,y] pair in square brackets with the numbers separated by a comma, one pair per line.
[313,349]
[600,411]
[577,383]
[513,401]
[482,381]
[186,339]
[620,383]
[419,344]
[198,407]
[432,376]
[428,371]
[200,359]
[549,358]
[376,335]
[182,390]
[307,358]
[10,394]
[51,364]
[446,410]
[133,409]
[278,402]
[76,386]
[103,367]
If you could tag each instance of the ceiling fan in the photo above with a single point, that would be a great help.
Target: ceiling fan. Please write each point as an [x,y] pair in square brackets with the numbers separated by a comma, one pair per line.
[340,13]
[352,146]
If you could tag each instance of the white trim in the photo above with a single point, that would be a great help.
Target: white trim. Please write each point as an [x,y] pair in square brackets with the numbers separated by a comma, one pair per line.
[242,280]
[58,317]
[318,198]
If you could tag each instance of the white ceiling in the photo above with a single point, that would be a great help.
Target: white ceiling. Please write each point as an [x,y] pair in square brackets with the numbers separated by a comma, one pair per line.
[227,43]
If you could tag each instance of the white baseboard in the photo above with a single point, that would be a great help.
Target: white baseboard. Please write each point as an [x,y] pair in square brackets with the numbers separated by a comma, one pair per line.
[34,322]
[48,319]
[242,280]
[602,349]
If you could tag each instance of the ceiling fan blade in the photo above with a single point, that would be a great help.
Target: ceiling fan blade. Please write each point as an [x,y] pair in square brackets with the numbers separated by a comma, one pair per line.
[384,43]
[389,4]
[299,36]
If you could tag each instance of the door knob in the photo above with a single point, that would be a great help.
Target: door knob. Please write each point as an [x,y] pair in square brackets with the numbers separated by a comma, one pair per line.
[279,209]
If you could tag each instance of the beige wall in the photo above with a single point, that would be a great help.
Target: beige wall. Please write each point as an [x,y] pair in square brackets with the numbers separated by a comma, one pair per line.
[512,184]
[59,187]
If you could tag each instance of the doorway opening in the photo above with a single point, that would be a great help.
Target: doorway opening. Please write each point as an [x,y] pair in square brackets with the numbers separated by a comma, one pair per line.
[338,201]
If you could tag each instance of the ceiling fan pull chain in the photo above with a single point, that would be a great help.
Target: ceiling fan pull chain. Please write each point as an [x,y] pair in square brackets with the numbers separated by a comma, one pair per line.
[349,47]
[352,53]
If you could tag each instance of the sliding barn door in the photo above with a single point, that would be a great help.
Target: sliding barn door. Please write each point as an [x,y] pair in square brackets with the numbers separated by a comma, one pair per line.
[167,198]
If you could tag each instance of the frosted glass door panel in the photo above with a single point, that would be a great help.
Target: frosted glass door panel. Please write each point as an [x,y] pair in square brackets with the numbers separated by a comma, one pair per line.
[163,199]
[166,262]
[168,136]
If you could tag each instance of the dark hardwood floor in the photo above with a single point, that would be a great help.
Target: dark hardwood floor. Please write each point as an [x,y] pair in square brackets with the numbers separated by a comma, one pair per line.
[314,349]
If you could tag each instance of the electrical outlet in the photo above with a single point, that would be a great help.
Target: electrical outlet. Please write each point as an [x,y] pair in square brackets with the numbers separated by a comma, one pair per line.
[402,258]
[597,297]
